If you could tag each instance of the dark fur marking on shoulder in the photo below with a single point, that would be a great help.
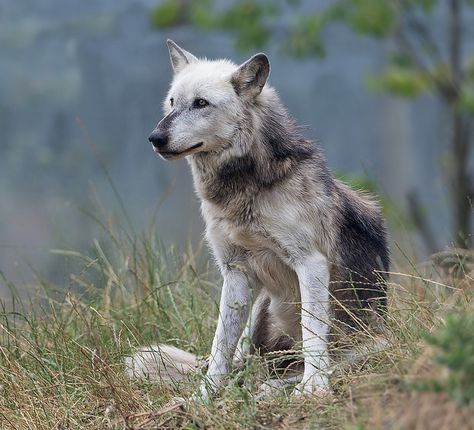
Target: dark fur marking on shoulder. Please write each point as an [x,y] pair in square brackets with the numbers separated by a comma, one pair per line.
[235,168]
[283,138]
[284,149]
[235,179]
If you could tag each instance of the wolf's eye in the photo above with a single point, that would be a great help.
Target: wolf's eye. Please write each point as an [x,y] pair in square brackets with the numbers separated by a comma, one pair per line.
[200,103]
[171,101]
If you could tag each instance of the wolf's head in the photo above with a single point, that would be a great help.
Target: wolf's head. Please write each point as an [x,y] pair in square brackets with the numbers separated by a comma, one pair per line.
[206,103]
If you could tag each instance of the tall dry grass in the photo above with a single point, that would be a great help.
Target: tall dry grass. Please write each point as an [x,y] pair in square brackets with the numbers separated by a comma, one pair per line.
[62,351]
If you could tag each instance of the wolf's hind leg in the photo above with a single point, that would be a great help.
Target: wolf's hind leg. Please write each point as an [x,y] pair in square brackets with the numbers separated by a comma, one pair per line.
[313,276]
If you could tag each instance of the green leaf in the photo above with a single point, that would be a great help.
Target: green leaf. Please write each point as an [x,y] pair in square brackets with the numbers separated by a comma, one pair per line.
[371,17]
[466,101]
[201,13]
[399,82]
[249,22]
[166,14]
[426,5]
[400,60]
[305,37]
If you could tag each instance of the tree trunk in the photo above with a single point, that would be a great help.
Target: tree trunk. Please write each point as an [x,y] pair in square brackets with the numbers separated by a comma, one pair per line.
[460,180]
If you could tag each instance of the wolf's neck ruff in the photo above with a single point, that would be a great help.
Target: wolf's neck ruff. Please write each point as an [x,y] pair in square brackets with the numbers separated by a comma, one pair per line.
[266,149]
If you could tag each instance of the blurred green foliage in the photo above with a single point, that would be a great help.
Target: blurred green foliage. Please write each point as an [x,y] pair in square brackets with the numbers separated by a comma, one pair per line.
[166,14]
[414,67]
[454,344]
[400,81]
[466,101]
[248,19]
[370,17]
[170,13]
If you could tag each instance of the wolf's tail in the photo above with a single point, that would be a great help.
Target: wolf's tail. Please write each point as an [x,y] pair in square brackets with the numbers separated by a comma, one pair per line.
[162,363]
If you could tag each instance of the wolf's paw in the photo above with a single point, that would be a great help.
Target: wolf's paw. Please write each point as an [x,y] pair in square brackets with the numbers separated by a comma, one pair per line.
[269,388]
[175,403]
[202,395]
[274,387]
[309,388]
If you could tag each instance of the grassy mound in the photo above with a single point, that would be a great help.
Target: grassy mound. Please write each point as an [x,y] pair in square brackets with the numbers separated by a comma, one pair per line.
[62,353]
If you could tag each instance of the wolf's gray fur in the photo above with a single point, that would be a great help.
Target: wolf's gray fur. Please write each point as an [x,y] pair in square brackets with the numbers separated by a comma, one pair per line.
[305,249]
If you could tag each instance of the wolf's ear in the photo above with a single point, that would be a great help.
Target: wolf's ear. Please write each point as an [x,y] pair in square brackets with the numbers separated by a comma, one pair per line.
[250,77]
[179,57]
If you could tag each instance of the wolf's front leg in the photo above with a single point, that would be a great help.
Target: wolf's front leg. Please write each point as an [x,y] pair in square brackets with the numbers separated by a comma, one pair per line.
[313,277]
[256,325]
[233,312]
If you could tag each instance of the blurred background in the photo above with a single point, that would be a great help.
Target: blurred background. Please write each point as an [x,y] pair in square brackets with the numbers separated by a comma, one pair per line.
[386,88]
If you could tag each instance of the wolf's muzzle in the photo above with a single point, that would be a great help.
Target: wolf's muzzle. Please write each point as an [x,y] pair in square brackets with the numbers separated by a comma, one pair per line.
[158,138]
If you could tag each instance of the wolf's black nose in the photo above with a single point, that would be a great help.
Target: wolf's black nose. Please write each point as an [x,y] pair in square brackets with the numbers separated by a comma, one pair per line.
[158,138]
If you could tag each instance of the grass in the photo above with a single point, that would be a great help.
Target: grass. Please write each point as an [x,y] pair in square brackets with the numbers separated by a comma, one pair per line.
[62,353]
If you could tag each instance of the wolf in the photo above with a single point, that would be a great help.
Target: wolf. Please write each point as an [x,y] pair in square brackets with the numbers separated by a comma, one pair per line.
[303,257]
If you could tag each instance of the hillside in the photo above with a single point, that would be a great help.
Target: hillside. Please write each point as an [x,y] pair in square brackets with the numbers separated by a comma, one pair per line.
[61,354]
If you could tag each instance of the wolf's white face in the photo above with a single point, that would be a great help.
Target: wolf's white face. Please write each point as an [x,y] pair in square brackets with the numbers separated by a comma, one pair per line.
[206,103]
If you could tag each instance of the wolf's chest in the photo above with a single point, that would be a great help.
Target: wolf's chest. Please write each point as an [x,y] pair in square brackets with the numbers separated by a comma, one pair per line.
[265,232]
[273,223]
[245,226]
[250,238]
